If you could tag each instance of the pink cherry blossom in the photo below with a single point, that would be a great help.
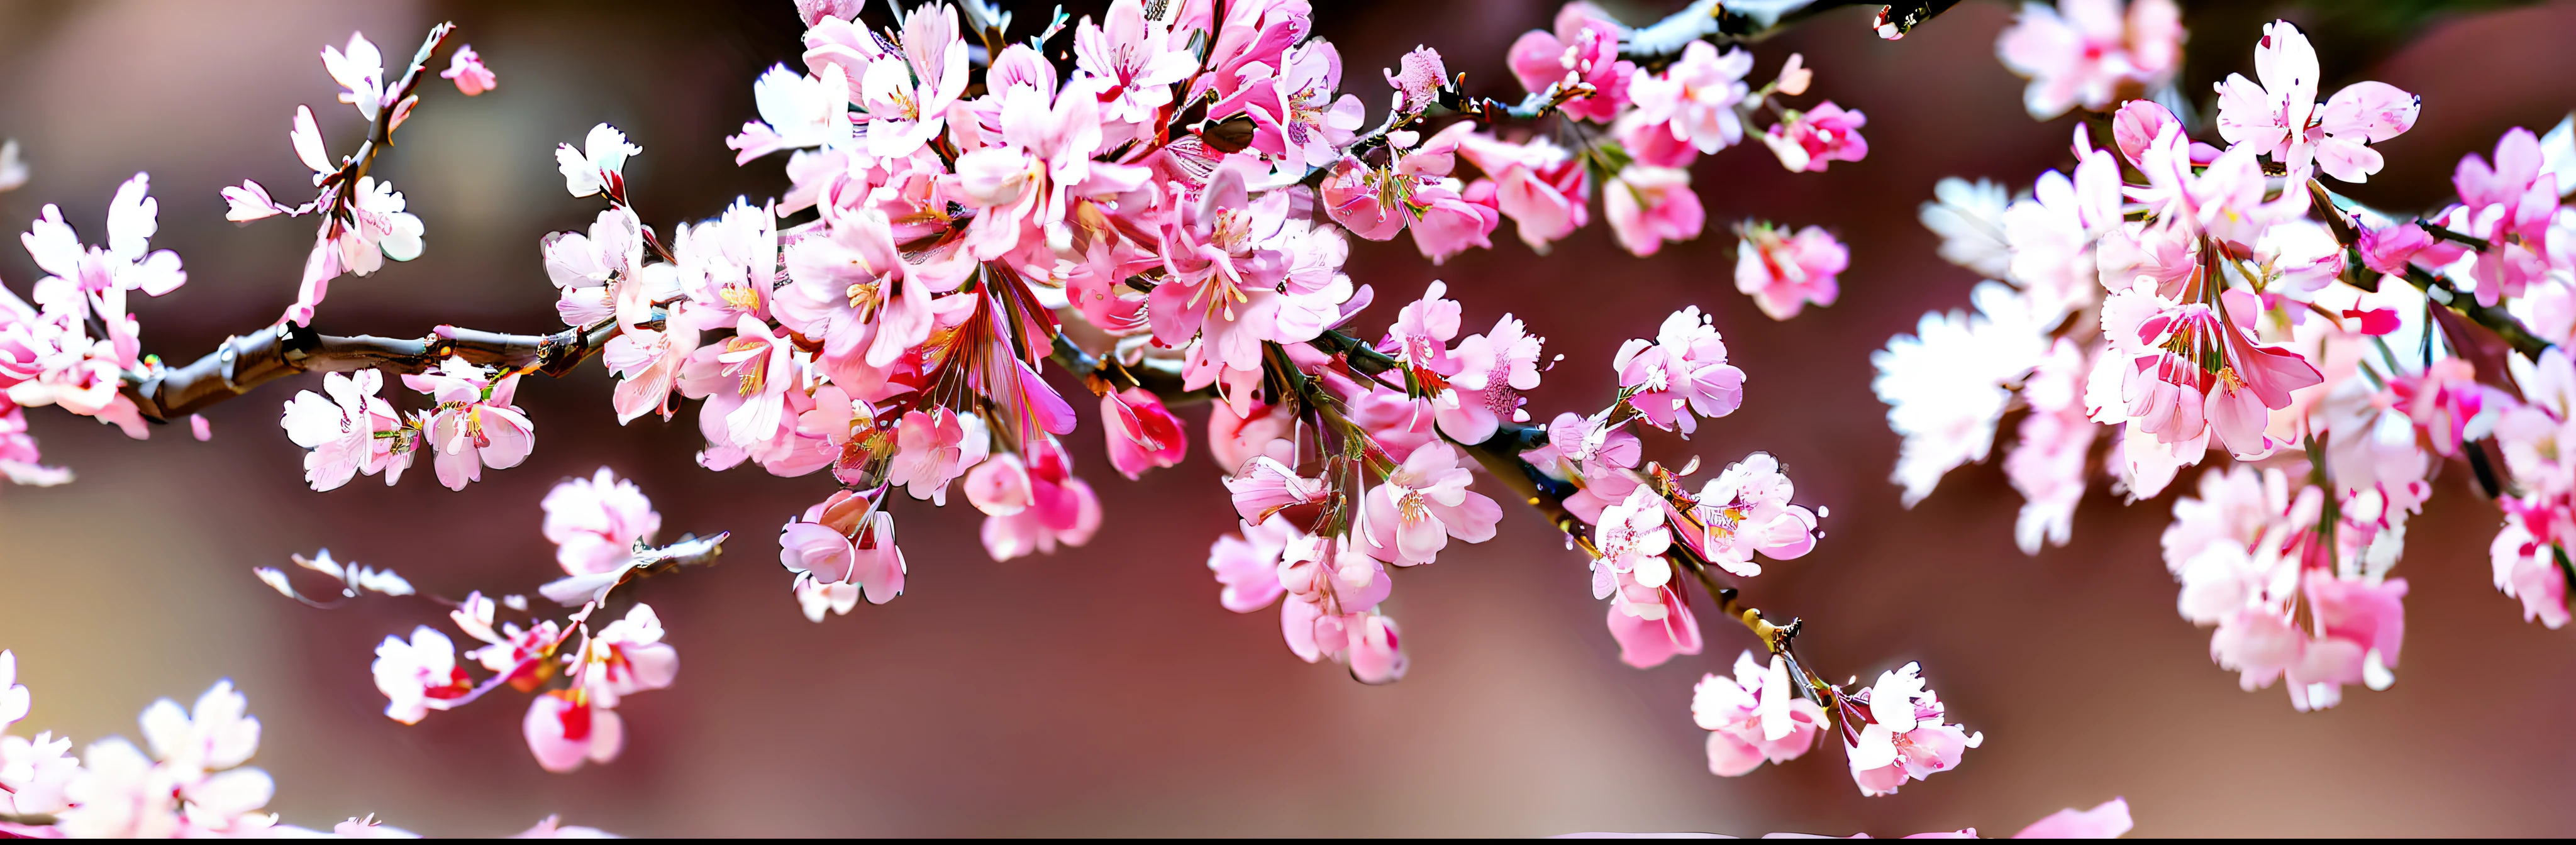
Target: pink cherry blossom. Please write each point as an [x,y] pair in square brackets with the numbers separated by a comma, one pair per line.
[1783,272]
[647,363]
[1540,186]
[351,431]
[1744,510]
[845,539]
[193,783]
[1903,736]
[2510,204]
[1493,371]
[599,166]
[476,424]
[565,730]
[1630,539]
[1305,124]
[906,93]
[626,657]
[2176,395]
[2087,53]
[1137,56]
[1254,33]
[1142,433]
[796,112]
[1420,82]
[935,448]
[1248,565]
[1597,452]
[1583,48]
[1423,503]
[2526,554]
[420,675]
[1416,192]
[2048,463]
[2441,400]
[1647,206]
[467,70]
[1812,139]
[1334,590]
[1651,631]
[360,72]
[2280,116]
[2534,434]
[2052,235]
[1265,486]
[20,460]
[1755,716]
[596,523]
[126,263]
[1041,504]
[1680,375]
[1397,424]
[590,272]
[1698,96]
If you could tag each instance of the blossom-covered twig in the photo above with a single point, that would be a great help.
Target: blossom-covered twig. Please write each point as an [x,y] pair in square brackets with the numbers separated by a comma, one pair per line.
[2234,303]
[973,216]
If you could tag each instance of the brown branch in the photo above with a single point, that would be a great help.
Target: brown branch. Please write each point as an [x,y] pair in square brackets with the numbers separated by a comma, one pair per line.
[2436,287]
[241,364]
[1501,457]
[380,131]
[1097,373]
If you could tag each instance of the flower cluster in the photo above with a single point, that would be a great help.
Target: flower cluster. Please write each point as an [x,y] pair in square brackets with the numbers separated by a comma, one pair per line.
[1892,731]
[363,221]
[2234,301]
[1159,204]
[188,779]
[73,346]
[954,206]
[602,528]
[351,430]
[2092,53]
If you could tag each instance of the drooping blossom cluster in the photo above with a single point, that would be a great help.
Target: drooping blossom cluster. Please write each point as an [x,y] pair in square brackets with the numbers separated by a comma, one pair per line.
[2234,302]
[473,424]
[188,779]
[1159,207]
[363,219]
[951,210]
[603,529]
[74,344]
[2091,54]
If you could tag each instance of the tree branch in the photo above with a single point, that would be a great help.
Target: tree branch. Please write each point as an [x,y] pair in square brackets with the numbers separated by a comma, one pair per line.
[2494,318]
[1656,44]
[240,363]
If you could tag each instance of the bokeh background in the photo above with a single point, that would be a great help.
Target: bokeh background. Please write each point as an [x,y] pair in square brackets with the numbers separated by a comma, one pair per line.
[1102,690]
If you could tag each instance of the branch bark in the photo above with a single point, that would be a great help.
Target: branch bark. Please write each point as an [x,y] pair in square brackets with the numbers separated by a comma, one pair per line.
[241,364]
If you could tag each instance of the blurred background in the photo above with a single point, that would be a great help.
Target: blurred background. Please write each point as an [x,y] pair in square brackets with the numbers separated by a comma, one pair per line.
[1102,691]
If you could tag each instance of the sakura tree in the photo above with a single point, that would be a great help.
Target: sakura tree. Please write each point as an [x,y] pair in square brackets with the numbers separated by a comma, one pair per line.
[997,219]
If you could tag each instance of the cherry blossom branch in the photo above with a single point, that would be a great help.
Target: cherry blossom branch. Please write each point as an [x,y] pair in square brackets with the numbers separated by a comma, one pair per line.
[395,107]
[242,363]
[1501,457]
[2436,287]
[2493,317]
[1098,372]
